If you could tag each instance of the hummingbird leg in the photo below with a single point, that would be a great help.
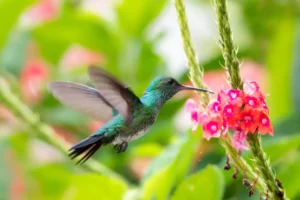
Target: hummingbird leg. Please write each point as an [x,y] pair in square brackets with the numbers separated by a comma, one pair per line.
[121,147]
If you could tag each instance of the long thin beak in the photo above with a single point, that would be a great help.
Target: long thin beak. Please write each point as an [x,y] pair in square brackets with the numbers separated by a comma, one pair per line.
[183,87]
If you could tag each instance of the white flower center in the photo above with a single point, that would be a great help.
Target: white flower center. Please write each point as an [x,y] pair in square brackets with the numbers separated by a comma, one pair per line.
[229,110]
[233,95]
[213,127]
[251,102]
[264,121]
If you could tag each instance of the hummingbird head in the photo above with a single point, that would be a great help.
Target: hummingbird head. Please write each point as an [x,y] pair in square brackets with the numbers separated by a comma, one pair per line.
[167,87]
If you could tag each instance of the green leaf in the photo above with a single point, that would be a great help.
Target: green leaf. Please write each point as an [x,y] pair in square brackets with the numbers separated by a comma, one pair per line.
[14,52]
[52,181]
[289,175]
[206,184]
[73,28]
[168,169]
[10,10]
[94,186]
[279,62]
[134,16]
[296,70]
[5,172]
[146,150]
[279,148]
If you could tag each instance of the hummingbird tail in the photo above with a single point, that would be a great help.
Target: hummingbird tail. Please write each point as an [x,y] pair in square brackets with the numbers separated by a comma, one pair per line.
[89,145]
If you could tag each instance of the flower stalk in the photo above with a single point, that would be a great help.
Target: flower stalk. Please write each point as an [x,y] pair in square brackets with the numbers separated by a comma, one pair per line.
[196,75]
[195,71]
[232,66]
[43,131]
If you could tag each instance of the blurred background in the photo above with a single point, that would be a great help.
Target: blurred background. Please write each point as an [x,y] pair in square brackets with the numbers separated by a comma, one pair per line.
[46,40]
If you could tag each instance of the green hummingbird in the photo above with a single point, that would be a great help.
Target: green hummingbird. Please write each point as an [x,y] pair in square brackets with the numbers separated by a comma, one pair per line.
[126,116]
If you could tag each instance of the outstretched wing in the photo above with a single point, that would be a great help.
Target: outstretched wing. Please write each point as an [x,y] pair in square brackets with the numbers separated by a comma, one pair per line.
[118,95]
[83,99]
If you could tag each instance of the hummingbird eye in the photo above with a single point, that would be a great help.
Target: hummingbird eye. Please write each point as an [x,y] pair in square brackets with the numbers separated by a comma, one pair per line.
[170,81]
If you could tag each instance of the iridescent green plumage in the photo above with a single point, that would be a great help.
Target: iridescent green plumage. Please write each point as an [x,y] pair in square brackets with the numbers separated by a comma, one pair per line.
[127,117]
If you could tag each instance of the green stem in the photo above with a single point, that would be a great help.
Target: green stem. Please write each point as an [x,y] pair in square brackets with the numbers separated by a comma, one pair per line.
[232,65]
[44,131]
[263,164]
[242,165]
[228,50]
[196,73]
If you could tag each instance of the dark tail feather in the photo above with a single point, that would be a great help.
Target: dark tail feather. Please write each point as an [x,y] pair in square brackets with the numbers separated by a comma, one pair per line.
[89,145]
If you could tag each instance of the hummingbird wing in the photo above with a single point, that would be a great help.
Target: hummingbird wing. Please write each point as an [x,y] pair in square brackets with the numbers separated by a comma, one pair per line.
[117,94]
[83,99]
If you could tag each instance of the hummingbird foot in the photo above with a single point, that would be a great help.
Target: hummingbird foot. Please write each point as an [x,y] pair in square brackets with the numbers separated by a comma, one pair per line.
[121,147]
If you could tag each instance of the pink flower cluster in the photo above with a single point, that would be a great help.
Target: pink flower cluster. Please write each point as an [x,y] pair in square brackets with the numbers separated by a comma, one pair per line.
[243,111]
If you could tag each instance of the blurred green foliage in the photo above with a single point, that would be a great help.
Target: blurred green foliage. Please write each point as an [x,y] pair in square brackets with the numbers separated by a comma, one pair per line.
[129,52]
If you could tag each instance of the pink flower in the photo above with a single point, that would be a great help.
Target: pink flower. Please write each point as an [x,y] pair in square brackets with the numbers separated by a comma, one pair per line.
[190,105]
[251,87]
[248,124]
[230,114]
[231,96]
[264,124]
[212,127]
[238,140]
[214,107]
[251,102]
[244,111]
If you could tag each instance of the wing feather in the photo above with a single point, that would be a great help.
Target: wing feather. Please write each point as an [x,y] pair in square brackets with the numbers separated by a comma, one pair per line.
[118,95]
[83,99]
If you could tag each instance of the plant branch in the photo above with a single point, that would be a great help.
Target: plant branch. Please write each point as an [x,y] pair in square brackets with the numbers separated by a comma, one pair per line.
[44,132]
[196,73]
[228,50]
[232,66]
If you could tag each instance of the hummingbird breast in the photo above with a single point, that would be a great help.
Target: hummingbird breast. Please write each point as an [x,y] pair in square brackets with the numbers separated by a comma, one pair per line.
[142,121]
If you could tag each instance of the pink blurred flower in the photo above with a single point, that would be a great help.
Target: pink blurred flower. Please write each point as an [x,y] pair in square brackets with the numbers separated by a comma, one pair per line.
[44,10]
[238,140]
[33,78]
[77,56]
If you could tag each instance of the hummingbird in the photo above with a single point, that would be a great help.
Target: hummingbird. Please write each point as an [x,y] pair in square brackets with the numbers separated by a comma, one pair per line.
[126,116]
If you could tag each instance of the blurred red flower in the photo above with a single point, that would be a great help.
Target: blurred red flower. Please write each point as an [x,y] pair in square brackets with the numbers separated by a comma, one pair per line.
[77,56]
[42,11]
[33,78]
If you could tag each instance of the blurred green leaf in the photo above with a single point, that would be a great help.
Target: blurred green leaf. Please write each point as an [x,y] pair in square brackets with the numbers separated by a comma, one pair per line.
[74,28]
[52,181]
[287,126]
[206,184]
[296,71]
[10,16]
[147,150]
[279,148]
[62,115]
[5,172]
[94,186]
[279,62]
[14,52]
[289,175]
[168,169]
[134,16]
